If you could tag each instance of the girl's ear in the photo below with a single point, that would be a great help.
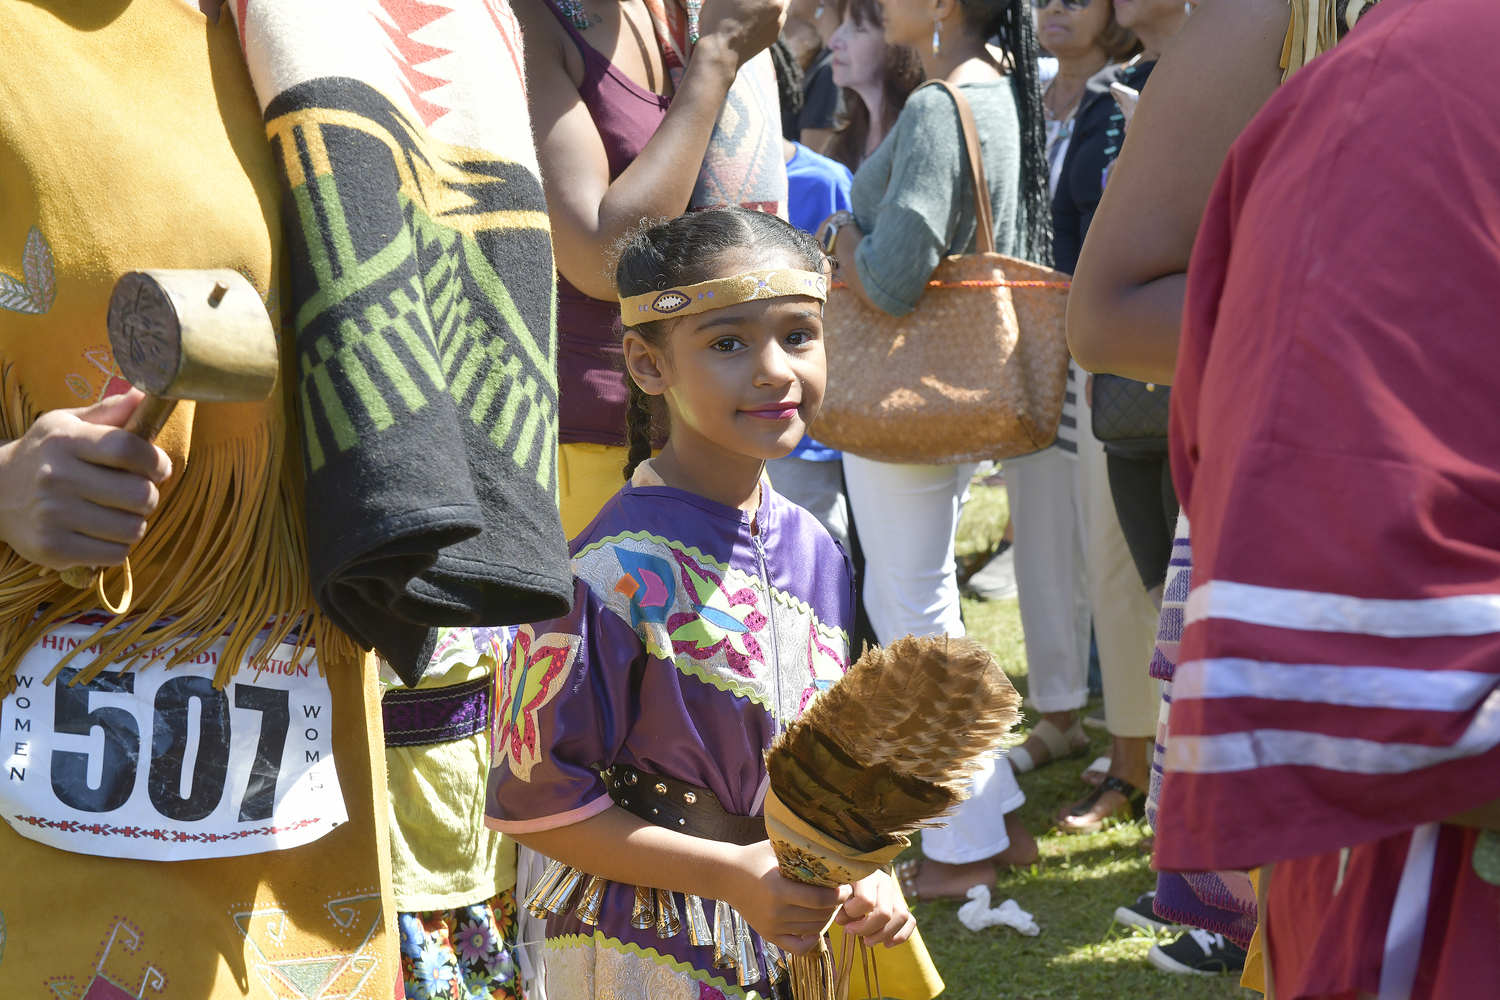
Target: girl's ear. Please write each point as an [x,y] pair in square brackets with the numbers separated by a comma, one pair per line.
[943,9]
[643,362]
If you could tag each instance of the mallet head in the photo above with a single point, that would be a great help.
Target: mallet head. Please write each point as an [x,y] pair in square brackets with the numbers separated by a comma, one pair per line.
[187,334]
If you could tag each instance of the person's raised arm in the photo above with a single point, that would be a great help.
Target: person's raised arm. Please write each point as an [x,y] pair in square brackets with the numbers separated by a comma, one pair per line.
[1125,310]
[588,213]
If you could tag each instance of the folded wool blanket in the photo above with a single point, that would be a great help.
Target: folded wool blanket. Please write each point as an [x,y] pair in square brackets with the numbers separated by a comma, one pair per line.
[423,295]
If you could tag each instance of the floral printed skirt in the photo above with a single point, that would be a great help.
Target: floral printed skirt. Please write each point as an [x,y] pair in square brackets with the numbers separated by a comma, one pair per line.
[466,953]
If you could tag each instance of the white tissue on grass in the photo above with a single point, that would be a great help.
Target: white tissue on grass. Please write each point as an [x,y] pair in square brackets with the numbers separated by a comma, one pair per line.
[976,914]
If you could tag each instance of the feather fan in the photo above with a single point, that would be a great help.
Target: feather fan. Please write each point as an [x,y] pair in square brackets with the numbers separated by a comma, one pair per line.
[890,746]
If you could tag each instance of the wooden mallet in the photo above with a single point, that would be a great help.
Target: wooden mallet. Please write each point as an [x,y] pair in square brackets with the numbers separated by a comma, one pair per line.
[199,335]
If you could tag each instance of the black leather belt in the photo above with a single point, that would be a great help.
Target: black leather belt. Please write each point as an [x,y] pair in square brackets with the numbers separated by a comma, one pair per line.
[679,806]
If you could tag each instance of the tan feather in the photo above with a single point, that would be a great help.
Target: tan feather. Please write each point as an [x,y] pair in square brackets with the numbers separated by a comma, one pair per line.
[931,707]
[891,745]
[858,805]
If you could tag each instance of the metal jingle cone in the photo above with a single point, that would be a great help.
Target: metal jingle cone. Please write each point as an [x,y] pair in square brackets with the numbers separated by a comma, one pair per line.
[723,935]
[777,972]
[560,899]
[643,914]
[668,924]
[550,877]
[774,971]
[700,935]
[593,899]
[744,952]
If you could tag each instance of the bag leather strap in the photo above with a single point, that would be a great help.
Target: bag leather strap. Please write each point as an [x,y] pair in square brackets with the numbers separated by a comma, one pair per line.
[983,213]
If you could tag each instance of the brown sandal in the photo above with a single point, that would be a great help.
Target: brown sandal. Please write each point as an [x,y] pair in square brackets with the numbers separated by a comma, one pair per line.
[906,876]
[1135,803]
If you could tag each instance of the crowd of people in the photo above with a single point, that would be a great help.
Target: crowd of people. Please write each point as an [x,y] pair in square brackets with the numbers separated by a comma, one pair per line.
[447,669]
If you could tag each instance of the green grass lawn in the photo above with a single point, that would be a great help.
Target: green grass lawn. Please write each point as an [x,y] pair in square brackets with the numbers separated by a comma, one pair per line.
[1073,890]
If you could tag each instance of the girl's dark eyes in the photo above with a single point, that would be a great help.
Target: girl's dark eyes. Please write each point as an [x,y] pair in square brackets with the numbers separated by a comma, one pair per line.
[728,345]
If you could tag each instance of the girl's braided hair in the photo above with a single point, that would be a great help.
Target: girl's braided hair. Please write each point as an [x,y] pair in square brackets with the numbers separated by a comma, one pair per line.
[1009,23]
[685,251]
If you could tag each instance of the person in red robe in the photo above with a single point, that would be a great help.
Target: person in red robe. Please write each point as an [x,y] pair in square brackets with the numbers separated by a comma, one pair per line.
[1336,445]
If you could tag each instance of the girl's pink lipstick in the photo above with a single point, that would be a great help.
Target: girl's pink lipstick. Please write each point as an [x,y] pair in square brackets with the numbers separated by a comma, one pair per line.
[779,411]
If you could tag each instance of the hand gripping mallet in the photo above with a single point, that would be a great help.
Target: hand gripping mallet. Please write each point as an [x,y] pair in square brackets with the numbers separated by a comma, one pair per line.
[199,335]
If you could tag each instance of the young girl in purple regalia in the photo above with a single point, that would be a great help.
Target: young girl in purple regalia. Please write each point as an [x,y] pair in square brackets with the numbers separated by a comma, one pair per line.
[708,611]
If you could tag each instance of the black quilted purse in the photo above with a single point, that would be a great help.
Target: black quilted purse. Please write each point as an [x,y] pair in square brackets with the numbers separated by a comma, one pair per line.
[1127,410]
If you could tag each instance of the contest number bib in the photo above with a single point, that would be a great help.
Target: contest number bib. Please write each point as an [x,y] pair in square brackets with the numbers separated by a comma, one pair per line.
[158,765]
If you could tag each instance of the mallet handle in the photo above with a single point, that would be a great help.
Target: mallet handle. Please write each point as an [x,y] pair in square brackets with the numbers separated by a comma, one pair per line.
[150,417]
[146,422]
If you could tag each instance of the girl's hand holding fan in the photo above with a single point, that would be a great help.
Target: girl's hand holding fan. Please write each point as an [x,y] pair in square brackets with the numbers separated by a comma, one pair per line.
[881,754]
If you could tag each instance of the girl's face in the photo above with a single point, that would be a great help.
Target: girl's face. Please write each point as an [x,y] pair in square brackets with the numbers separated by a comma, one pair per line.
[908,22]
[746,380]
[1070,34]
[1134,14]
[858,54]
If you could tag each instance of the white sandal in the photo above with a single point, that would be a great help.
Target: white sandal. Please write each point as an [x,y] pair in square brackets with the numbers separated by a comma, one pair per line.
[1059,745]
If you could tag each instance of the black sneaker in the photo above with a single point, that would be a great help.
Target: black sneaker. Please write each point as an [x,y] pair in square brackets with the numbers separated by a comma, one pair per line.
[1140,914]
[1198,953]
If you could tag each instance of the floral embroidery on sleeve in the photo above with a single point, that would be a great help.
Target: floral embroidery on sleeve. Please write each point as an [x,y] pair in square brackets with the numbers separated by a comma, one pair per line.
[532,676]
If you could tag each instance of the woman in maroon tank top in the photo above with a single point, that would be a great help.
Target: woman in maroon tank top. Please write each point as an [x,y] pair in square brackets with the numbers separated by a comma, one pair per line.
[616,145]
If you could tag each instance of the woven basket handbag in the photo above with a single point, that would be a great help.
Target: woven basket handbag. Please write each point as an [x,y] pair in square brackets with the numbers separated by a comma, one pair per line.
[977,371]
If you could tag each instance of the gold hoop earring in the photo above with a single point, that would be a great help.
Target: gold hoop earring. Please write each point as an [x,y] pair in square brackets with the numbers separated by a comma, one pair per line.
[937,37]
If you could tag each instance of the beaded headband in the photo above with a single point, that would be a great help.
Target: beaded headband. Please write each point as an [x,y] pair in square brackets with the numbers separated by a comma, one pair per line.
[721,293]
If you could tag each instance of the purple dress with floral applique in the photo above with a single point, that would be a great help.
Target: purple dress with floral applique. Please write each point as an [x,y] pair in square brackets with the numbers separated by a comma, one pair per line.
[688,632]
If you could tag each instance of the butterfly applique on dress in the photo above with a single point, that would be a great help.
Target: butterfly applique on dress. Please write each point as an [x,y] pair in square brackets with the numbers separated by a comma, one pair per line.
[532,676]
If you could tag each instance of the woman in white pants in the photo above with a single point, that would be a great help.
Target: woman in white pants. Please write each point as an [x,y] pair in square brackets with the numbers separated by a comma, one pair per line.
[912,205]
[907,517]
[1047,514]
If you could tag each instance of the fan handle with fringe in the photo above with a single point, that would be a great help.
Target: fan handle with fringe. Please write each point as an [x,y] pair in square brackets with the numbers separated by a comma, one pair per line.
[805,854]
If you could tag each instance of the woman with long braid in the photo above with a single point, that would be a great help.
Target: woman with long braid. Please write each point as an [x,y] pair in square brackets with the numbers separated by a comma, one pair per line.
[913,204]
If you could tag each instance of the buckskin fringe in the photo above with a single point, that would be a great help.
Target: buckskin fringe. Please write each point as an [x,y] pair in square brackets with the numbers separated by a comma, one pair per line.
[1312,31]
[233,529]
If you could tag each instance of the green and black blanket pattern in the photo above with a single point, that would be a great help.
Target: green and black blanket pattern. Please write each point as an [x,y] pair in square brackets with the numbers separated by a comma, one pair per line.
[426,338]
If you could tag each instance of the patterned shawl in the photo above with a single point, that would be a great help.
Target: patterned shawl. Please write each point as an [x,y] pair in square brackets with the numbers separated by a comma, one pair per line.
[422,291]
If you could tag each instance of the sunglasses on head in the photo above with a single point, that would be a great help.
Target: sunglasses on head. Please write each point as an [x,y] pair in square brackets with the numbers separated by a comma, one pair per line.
[1073,5]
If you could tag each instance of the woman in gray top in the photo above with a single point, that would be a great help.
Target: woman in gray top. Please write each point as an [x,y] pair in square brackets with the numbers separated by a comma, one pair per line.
[913,204]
